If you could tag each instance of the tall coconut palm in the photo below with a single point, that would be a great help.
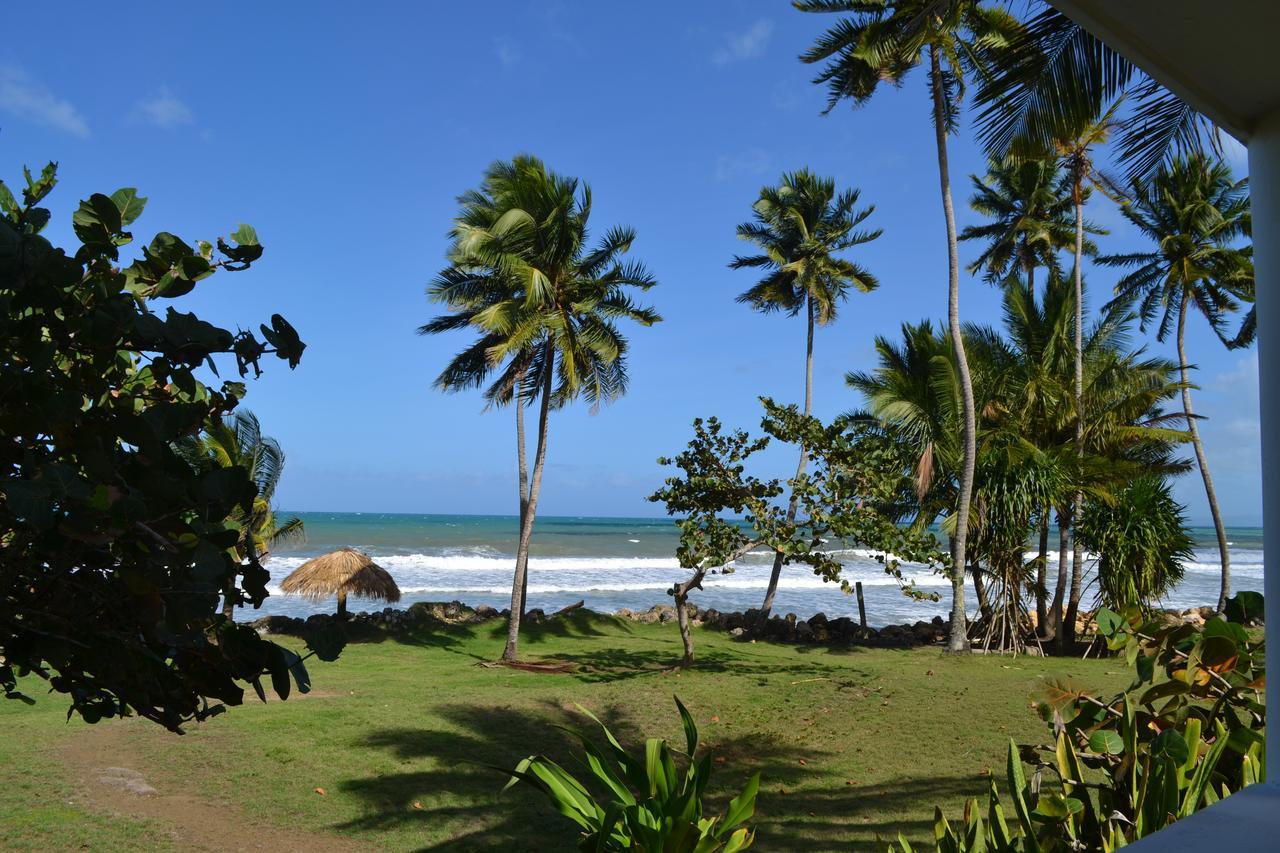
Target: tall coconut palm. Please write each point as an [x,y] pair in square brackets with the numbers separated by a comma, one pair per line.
[1039,332]
[1029,208]
[1074,142]
[545,306]
[1030,202]
[237,442]
[1198,217]
[800,227]
[880,42]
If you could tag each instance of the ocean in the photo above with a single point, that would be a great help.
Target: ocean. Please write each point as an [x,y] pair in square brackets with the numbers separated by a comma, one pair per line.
[611,563]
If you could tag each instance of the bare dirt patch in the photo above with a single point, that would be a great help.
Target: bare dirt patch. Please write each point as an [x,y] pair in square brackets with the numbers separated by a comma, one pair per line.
[112,777]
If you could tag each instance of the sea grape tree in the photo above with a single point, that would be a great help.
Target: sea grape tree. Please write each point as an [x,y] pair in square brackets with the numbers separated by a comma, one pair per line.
[115,550]
[848,495]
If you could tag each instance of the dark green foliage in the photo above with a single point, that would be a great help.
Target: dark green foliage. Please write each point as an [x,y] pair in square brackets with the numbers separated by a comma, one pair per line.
[1188,732]
[800,227]
[115,549]
[854,475]
[1141,541]
[1196,215]
[650,806]
[1031,217]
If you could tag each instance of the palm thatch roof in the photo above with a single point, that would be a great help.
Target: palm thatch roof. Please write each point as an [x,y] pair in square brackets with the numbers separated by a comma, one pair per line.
[343,572]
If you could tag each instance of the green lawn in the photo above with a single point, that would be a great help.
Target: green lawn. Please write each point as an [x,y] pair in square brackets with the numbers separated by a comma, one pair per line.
[851,743]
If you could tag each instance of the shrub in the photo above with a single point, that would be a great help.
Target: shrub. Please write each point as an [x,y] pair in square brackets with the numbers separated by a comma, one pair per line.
[650,805]
[1186,733]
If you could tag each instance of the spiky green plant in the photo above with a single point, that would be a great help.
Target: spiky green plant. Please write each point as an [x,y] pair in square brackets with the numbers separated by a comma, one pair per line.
[651,807]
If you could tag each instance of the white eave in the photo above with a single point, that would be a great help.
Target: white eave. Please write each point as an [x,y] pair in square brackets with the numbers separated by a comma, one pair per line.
[1220,56]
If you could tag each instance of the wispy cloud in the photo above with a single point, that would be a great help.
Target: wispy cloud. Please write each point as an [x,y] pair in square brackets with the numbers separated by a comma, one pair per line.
[744,45]
[753,161]
[27,99]
[507,51]
[163,109]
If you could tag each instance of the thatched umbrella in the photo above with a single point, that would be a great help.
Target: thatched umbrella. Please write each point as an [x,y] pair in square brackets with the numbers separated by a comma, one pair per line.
[343,572]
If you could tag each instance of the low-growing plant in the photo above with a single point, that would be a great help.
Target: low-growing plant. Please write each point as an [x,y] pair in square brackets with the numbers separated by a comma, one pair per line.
[649,805]
[1185,734]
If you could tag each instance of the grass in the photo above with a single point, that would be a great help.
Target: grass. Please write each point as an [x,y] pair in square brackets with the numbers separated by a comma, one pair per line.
[402,735]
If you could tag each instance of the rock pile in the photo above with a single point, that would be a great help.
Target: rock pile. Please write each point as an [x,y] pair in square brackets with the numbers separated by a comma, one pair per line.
[816,630]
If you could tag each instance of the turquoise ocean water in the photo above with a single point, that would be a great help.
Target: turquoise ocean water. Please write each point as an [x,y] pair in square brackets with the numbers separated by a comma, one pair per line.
[630,562]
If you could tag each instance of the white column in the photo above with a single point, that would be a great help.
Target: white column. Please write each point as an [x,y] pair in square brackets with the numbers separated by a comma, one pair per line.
[1264,182]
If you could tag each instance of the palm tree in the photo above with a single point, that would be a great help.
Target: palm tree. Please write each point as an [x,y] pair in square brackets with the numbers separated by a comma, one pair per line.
[1039,332]
[1197,215]
[1054,73]
[880,42]
[1029,207]
[1074,143]
[1030,203]
[545,305]
[237,442]
[800,227]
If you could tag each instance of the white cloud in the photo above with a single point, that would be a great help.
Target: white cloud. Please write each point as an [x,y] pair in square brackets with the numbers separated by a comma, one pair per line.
[25,98]
[753,161]
[164,110]
[507,51]
[744,45]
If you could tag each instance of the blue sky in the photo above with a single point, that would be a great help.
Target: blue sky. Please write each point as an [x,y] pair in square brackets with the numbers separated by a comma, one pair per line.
[343,134]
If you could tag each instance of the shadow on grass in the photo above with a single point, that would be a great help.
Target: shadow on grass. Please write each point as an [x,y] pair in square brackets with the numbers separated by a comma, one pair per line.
[459,770]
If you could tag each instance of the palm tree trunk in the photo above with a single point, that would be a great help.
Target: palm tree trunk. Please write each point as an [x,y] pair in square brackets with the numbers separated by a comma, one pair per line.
[1042,571]
[1060,587]
[959,639]
[794,506]
[1068,628]
[522,463]
[511,652]
[1223,552]
[980,590]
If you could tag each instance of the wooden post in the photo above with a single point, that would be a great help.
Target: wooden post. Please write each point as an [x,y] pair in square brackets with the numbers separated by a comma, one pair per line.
[342,604]
[862,606]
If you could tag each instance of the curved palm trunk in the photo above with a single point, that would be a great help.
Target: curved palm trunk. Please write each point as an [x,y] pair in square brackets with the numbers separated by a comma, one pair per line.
[1068,628]
[1042,563]
[959,639]
[518,584]
[1060,587]
[522,463]
[793,506]
[1223,551]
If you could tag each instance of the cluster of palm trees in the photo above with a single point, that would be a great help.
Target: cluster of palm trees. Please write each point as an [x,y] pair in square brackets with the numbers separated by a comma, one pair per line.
[1054,419]
[1050,96]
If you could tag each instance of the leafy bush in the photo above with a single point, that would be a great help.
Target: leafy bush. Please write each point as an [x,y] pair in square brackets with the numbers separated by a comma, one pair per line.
[115,551]
[650,806]
[1186,733]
